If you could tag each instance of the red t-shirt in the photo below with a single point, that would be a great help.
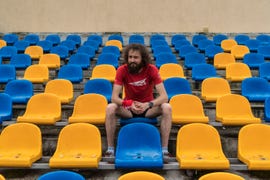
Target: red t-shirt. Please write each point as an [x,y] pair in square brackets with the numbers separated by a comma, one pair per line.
[138,87]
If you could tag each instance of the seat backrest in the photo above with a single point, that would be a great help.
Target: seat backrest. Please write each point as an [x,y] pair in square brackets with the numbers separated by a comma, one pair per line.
[11,38]
[168,70]
[253,60]
[95,37]
[80,59]
[99,86]
[221,176]
[141,175]
[105,71]
[6,108]
[71,72]
[177,37]
[21,61]
[197,38]
[239,51]
[186,49]
[21,45]
[194,58]
[118,37]
[32,38]
[177,85]
[203,71]
[108,58]
[61,50]
[116,43]
[221,60]
[46,45]
[8,51]
[36,73]
[50,60]
[34,51]
[264,70]
[74,37]
[71,45]
[111,49]
[227,44]
[237,71]
[54,38]
[7,73]
[255,85]
[218,38]
[61,174]
[90,51]
[241,38]
[253,44]
[164,58]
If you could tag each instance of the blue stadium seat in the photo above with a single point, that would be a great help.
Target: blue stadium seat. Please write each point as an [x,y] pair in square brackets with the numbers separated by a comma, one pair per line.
[32,39]
[212,50]
[20,61]
[71,45]
[125,121]
[10,38]
[252,44]
[111,49]
[218,38]
[60,50]
[138,150]
[265,51]
[74,73]
[241,38]
[184,50]
[197,38]
[263,38]
[108,58]
[203,71]
[21,45]
[180,43]
[253,60]
[8,51]
[5,107]
[267,109]
[54,38]
[88,50]
[193,59]
[76,38]
[202,45]
[177,37]
[46,45]
[92,43]
[264,70]
[80,59]
[177,85]
[118,37]
[164,58]
[7,73]
[156,43]
[95,37]
[155,37]
[161,49]
[136,38]
[99,86]
[61,174]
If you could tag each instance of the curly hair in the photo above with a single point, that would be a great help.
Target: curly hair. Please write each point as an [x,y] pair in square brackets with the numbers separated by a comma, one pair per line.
[146,59]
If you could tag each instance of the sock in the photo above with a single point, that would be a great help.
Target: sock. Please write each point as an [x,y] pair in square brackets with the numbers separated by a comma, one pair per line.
[164,149]
[110,149]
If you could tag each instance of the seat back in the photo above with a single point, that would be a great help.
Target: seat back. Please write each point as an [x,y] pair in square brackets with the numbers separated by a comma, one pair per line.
[8,51]
[80,59]
[111,49]
[238,71]
[76,38]
[212,50]
[197,38]
[203,71]
[61,174]
[90,51]
[32,39]
[116,43]
[60,50]
[71,45]
[11,38]
[71,72]
[7,73]
[21,61]
[141,175]
[193,59]
[186,49]
[46,45]
[105,71]
[95,37]
[36,73]
[221,60]
[164,58]
[118,37]
[6,108]
[169,70]
[264,70]
[227,44]
[21,45]
[34,51]
[241,38]
[239,51]
[99,86]
[54,38]
[253,60]
[221,176]
[108,58]
[218,38]
[177,85]
[50,60]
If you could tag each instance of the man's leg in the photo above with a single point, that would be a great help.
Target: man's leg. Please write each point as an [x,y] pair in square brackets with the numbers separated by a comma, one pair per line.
[166,123]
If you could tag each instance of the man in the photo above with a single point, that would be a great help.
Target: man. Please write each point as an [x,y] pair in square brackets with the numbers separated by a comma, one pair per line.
[139,78]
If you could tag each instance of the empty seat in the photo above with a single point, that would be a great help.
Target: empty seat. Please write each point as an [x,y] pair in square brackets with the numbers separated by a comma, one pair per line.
[169,70]
[99,86]
[42,108]
[20,90]
[50,60]
[161,49]
[7,73]
[6,108]
[221,60]
[20,61]
[177,37]
[234,109]
[218,38]
[61,174]
[184,50]
[8,51]
[105,71]
[95,37]
[62,88]
[76,38]
[253,60]
[118,37]
[79,146]
[239,51]
[265,51]
[141,175]
[138,150]
[60,50]
[241,38]
[80,59]
[202,71]
[267,109]
[108,58]
[46,45]
[199,146]
[212,50]
[187,108]
[89,108]
[264,70]
[116,43]
[164,58]
[193,59]
[227,44]
[177,85]
[92,43]
[180,43]
[156,37]
[213,88]
[236,72]
[71,45]
[136,38]
[90,51]
[74,73]
[263,38]
[36,73]
[221,176]
[202,44]
[34,51]
[54,38]
[10,38]
[254,147]
[32,39]
[21,45]
[252,44]
[111,49]
[197,38]
[20,145]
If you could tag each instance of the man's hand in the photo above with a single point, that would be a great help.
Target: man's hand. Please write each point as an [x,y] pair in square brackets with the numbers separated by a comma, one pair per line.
[139,107]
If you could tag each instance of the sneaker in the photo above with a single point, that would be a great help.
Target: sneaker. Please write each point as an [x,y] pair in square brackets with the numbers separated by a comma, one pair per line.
[109,154]
[166,157]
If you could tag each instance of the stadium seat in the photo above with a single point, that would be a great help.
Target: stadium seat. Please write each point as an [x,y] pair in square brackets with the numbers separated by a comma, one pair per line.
[52,61]
[105,71]
[71,45]
[197,38]
[169,70]
[253,147]
[202,44]
[227,44]
[34,51]
[6,108]
[108,58]
[138,150]
[76,38]
[7,73]
[21,145]
[118,37]
[21,45]
[218,38]
[221,60]
[263,38]
[187,108]
[80,59]
[60,50]
[74,73]
[193,59]
[54,38]
[92,43]
[61,174]
[177,85]
[36,73]
[95,37]
[32,39]
[253,60]
[241,38]
[99,86]
[264,70]
[136,38]
[184,50]
[199,146]
[7,52]
[116,43]
[2,177]
[202,71]
[267,109]
[161,49]
[214,87]
[62,88]
[236,72]
[90,51]
[180,43]
[89,108]
[10,38]
[212,50]
[234,109]
[20,61]
[255,89]
[239,51]
[125,121]
[111,49]
[155,37]
[252,44]
[20,90]
[145,175]
[46,45]
[2,43]
[265,51]
[42,108]
[221,176]
[79,146]
[156,43]
[177,37]
[164,58]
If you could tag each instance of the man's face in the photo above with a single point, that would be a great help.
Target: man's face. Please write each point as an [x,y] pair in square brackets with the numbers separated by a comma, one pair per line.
[134,61]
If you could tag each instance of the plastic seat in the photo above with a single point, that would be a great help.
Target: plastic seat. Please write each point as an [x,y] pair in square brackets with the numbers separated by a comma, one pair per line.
[80,59]
[264,70]
[221,176]
[79,146]
[92,43]
[234,109]
[89,108]
[184,50]
[227,44]
[156,37]
[169,70]
[236,72]
[136,38]
[8,51]
[213,88]
[263,38]
[218,38]
[105,71]
[76,38]
[34,51]
[212,50]
[74,73]
[46,45]
[141,175]
[108,58]
[253,147]
[255,89]
[2,43]
[32,39]
[158,42]
[267,109]
[10,38]
[193,59]
[145,153]
[71,45]
[60,50]
[61,174]
[180,43]
[52,61]
[197,38]
[199,146]
[20,145]
[42,108]
[6,108]
[2,177]
[7,73]
[265,51]
[202,45]
[111,49]
[241,38]
[54,38]
[177,37]
[116,43]
[21,45]
[221,60]
[99,86]
[164,58]
[95,37]
[36,73]
[202,71]
[118,37]
[252,44]
[20,90]
[20,61]
[125,121]
[239,51]
[90,51]
[161,49]
[187,108]
[177,85]
[62,88]
[253,60]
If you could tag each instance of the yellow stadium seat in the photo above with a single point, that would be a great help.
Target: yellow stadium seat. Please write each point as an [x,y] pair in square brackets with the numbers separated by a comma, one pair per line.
[187,108]
[227,44]
[214,87]
[105,71]
[20,145]
[2,43]
[239,51]
[116,43]
[50,60]
[221,176]
[79,146]
[254,146]
[2,177]
[89,108]
[234,109]
[36,73]
[221,60]
[62,88]
[236,72]
[199,147]
[171,70]
[144,175]
[35,52]
[42,108]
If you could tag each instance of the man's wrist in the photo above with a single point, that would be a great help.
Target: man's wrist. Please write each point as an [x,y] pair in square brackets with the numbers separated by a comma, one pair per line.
[150,104]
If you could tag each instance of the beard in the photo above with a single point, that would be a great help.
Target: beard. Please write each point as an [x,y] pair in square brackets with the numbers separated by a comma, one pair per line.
[134,68]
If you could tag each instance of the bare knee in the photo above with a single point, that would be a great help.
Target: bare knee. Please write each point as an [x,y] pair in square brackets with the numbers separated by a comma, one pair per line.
[166,109]
[111,109]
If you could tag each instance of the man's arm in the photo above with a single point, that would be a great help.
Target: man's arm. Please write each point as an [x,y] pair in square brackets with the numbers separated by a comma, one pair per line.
[117,89]
[162,97]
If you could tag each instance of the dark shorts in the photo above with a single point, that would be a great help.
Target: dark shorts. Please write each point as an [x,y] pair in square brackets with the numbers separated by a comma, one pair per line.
[139,115]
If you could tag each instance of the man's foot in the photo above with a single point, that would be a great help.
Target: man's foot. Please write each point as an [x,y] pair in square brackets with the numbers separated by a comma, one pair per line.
[109,154]
[166,157]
